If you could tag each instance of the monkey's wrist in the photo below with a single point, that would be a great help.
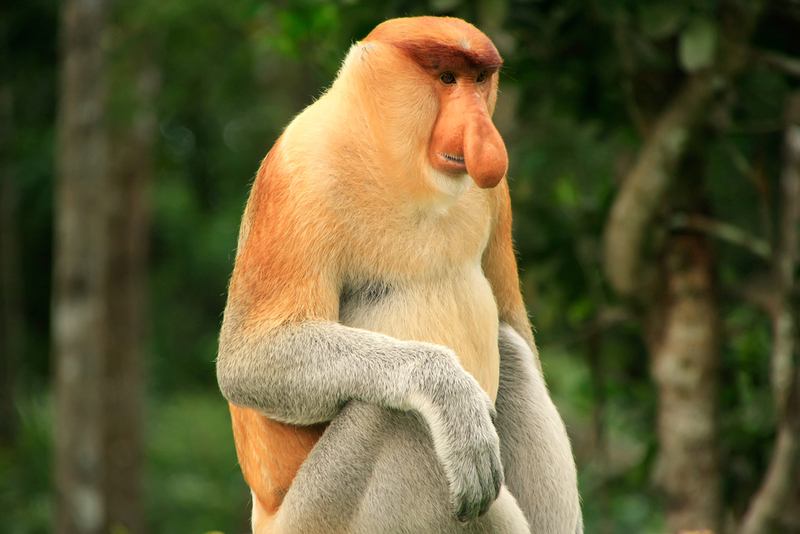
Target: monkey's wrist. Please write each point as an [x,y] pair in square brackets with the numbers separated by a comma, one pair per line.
[442,391]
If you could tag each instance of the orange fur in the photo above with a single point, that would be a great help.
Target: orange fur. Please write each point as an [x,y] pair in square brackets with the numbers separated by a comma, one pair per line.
[500,268]
[270,453]
[265,280]
[356,159]
[438,42]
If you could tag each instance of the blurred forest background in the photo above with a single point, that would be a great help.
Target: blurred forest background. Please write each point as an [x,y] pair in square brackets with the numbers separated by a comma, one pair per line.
[655,158]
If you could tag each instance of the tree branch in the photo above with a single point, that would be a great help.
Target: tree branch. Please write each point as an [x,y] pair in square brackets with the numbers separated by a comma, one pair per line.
[771,498]
[786,64]
[773,494]
[723,231]
[761,184]
[786,256]
[648,181]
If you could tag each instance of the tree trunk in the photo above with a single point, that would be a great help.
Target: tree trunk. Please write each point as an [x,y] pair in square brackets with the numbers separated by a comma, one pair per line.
[682,322]
[10,278]
[127,289]
[682,339]
[79,326]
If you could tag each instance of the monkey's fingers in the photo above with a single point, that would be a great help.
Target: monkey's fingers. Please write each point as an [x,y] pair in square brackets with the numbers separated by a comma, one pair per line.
[473,467]
[488,484]
[459,415]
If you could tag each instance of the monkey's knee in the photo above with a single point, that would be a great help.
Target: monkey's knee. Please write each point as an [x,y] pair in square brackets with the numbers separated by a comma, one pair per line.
[504,517]
[325,495]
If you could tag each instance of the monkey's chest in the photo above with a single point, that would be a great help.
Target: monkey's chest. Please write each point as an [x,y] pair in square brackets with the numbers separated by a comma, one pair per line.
[458,311]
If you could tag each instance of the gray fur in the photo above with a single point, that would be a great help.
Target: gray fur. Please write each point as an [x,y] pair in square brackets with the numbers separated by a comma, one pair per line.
[411,439]
[534,447]
[306,374]
[374,471]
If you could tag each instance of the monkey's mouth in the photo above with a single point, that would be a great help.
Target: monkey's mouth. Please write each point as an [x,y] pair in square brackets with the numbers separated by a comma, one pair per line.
[458,160]
[449,164]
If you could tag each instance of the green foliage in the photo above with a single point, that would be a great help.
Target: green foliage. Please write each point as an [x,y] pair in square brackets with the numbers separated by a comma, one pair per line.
[28,63]
[192,480]
[697,45]
[661,20]
[194,483]
[26,482]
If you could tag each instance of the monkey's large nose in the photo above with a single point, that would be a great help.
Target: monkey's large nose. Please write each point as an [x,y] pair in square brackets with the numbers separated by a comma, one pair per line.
[484,151]
[464,139]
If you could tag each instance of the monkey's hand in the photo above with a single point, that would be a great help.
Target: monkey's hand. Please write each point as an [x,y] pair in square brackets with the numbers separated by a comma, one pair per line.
[460,414]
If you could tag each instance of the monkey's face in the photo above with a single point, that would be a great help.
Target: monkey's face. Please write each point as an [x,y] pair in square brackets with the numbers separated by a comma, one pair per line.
[459,65]
[464,139]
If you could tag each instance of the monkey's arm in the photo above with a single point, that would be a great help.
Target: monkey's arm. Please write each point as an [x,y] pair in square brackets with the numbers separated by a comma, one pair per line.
[537,458]
[305,373]
[282,354]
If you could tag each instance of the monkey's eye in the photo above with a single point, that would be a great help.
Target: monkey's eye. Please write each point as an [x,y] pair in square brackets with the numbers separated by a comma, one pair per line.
[481,77]
[447,78]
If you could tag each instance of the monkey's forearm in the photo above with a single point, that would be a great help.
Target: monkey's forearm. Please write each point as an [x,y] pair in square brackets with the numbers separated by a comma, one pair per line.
[305,374]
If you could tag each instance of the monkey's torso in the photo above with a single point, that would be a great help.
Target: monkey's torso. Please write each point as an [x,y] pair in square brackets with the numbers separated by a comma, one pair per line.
[425,283]
[407,299]
[425,280]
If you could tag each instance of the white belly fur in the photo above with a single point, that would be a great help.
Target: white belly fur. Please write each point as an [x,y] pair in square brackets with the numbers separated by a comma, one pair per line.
[457,311]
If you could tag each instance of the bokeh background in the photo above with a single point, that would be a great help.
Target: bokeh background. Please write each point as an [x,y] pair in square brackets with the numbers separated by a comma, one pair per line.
[654,176]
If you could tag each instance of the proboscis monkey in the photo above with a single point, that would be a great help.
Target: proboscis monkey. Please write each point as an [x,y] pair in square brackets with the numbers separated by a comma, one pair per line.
[375,350]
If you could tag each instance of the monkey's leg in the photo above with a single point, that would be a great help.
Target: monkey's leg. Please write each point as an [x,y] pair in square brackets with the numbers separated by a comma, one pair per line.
[374,471]
[534,447]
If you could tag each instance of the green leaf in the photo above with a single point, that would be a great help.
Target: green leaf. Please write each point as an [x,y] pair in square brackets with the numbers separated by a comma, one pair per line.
[566,192]
[579,311]
[444,6]
[698,45]
[661,20]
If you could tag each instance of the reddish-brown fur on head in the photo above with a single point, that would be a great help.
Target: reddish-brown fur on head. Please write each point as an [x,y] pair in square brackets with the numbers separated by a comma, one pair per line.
[439,43]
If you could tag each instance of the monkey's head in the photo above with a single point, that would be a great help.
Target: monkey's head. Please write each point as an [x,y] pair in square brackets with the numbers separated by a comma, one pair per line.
[434,83]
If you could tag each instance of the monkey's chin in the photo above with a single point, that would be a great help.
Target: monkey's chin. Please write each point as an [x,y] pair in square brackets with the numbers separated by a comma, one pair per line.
[449,186]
